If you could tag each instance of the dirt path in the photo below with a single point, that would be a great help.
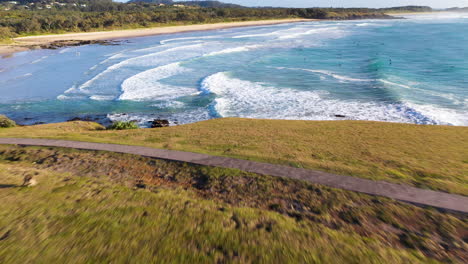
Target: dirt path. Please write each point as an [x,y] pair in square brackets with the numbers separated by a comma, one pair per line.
[404,193]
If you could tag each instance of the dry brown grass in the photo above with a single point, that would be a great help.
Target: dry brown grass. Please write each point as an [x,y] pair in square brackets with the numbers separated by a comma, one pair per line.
[100,207]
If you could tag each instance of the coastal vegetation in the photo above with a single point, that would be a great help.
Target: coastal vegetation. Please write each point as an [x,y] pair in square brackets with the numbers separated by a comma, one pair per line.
[36,17]
[122,125]
[5,122]
[106,207]
[431,157]
[408,9]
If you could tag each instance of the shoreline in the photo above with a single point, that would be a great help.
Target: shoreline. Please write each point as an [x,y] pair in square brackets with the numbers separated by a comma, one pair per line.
[34,42]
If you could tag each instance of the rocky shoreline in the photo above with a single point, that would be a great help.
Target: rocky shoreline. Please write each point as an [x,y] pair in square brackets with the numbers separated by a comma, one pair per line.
[103,120]
[7,50]
[74,43]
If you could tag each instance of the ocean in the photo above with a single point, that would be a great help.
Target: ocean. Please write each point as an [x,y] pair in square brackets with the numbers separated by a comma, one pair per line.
[412,70]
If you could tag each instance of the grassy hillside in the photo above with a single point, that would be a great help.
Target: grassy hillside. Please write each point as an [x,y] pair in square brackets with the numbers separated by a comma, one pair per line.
[97,207]
[434,157]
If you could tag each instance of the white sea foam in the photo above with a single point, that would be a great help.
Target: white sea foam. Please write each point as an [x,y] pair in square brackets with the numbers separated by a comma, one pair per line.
[39,60]
[414,89]
[416,112]
[331,74]
[71,89]
[62,97]
[165,41]
[394,84]
[310,32]
[102,97]
[169,104]
[339,77]
[443,116]
[297,32]
[283,32]
[242,98]
[64,50]
[165,47]
[94,67]
[115,56]
[147,85]
[257,35]
[148,59]
[234,50]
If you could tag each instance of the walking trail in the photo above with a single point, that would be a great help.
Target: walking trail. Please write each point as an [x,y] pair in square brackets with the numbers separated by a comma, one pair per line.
[421,197]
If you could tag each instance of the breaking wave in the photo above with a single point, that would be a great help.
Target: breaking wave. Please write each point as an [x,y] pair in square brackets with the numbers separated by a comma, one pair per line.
[234,50]
[331,74]
[241,98]
[147,85]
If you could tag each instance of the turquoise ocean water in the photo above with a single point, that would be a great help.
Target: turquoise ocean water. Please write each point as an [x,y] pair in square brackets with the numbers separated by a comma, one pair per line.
[413,71]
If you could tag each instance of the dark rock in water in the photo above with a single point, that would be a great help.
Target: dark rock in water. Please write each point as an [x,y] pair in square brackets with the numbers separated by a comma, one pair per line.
[340,116]
[87,118]
[159,123]
[101,119]
[39,123]
[75,119]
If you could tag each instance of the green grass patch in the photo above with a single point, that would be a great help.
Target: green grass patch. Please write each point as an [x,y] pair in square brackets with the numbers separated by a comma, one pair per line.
[432,157]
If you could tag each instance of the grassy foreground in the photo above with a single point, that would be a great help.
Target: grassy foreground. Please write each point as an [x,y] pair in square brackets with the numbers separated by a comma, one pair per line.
[433,157]
[98,207]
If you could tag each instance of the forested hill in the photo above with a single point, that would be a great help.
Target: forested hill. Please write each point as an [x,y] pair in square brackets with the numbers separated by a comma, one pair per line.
[400,9]
[165,2]
[215,4]
[457,9]
[209,4]
[19,18]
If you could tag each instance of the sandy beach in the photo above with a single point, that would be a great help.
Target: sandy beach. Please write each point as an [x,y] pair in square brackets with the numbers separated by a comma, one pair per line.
[33,42]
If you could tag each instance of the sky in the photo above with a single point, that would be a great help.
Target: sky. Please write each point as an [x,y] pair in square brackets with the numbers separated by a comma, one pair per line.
[350,3]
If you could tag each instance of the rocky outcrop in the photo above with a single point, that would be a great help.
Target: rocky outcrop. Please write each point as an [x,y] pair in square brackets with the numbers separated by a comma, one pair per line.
[72,43]
[159,123]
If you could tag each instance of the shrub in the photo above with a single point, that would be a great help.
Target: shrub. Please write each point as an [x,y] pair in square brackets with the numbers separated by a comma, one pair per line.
[6,122]
[6,34]
[123,125]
